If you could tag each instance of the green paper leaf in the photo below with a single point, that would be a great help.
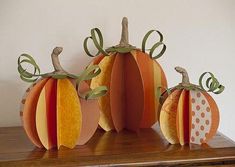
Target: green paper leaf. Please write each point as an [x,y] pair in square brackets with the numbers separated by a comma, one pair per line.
[59,76]
[120,49]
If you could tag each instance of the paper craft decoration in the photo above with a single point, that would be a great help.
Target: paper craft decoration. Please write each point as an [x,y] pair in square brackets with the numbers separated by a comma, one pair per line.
[132,76]
[59,108]
[189,114]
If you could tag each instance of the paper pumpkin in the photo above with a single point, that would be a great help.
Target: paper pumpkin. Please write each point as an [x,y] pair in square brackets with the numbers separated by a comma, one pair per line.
[52,112]
[132,76]
[189,114]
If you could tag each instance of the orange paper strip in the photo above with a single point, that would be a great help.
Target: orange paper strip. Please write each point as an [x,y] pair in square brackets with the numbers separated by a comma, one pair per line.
[168,117]
[117,93]
[69,116]
[90,116]
[134,93]
[215,117]
[145,65]
[29,112]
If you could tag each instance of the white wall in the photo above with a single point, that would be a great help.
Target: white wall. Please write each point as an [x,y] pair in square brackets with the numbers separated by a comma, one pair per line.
[200,36]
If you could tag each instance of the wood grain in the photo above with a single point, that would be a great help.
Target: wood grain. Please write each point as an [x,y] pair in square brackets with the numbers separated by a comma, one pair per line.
[148,147]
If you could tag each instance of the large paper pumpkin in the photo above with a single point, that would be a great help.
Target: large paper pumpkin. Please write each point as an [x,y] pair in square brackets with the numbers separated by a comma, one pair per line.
[189,114]
[53,115]
[132,76]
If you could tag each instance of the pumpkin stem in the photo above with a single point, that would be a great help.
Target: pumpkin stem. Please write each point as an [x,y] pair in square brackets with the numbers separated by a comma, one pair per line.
[124,38]
[185,78]
[55,60]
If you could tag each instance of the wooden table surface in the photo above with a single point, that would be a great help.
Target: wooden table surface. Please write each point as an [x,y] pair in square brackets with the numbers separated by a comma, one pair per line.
[148,147]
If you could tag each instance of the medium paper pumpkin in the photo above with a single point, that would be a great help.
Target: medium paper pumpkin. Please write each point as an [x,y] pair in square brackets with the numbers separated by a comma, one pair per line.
[51,110]
[132,76]
[189,114]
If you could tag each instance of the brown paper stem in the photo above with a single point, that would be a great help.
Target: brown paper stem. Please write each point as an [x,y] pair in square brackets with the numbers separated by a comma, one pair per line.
[185,77]
[55,60]
[125,35]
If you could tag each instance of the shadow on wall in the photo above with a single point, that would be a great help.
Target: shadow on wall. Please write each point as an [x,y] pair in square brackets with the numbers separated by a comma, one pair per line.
[11,94]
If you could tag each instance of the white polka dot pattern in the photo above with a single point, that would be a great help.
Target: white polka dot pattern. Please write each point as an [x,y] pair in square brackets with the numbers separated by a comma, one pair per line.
[201,117]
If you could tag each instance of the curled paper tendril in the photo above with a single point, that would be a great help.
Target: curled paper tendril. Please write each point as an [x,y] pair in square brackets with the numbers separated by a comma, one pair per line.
[97,42]
[212,84]
[155,46]
[24,74]
[89,73]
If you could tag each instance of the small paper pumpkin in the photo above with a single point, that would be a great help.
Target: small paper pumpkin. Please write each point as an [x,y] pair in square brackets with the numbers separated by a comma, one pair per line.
[189,114]
[132,76]
[52,112]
